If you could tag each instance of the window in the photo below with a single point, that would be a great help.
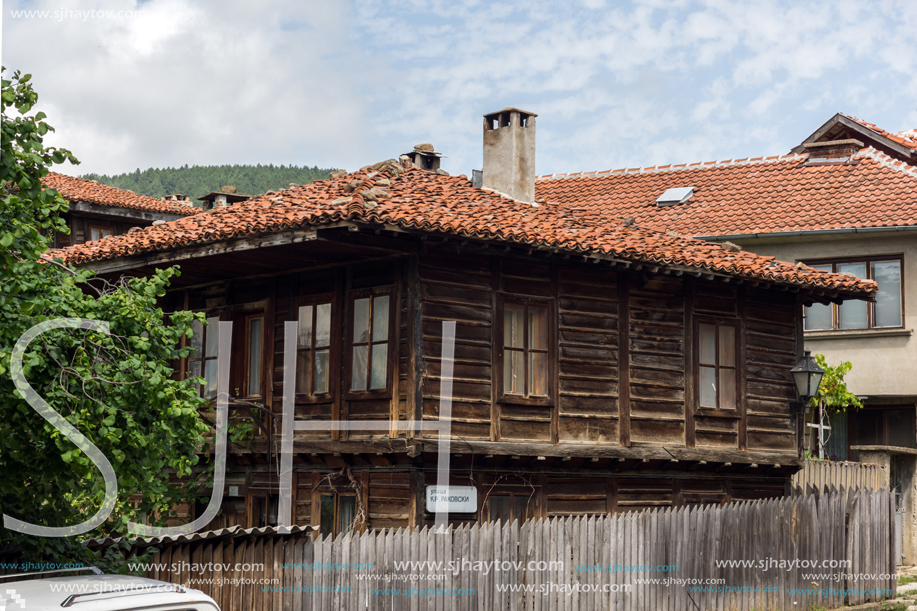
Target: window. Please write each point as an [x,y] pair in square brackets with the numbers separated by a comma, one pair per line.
[313,350]
[254,347]
[507,507]
[858,314]
[338,513]
[525,350]
[203,358]
[262,510]
[716,365]
[370,345]
[97,233]
[882,427]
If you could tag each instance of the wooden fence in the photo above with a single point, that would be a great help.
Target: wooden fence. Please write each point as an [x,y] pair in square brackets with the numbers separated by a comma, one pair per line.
[821,474]
[571,564]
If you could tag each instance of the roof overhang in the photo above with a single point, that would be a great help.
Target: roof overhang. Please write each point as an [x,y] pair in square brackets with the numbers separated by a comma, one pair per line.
[118,212]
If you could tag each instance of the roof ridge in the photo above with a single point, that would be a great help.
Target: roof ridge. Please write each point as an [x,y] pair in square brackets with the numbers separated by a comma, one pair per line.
[887,161]
[676,167]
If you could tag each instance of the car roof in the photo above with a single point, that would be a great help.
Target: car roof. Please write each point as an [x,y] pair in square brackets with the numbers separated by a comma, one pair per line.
[101,593]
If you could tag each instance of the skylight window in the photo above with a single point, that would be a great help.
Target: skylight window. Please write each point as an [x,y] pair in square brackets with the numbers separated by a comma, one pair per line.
[675,196]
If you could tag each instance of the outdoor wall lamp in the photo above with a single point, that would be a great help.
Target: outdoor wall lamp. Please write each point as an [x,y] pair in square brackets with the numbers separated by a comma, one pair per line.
[807,376]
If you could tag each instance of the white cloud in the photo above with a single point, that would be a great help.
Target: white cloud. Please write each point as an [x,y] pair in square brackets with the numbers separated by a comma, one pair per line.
[194,81]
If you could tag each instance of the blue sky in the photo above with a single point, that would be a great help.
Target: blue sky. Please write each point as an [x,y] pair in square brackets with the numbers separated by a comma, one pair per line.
[345,84]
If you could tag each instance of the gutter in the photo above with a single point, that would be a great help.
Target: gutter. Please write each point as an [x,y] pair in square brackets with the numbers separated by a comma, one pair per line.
[805,233]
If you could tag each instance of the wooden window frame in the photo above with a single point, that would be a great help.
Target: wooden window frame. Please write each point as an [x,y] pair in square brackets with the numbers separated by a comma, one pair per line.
[102,229]
[246,391]
[531,505]
[347,352]
[205,328]
[270,508]
[526,301]
[871,305]
[717,321]
[334,347]
[336,521]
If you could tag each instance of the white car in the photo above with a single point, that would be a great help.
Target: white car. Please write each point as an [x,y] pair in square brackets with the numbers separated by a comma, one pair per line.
[100,593]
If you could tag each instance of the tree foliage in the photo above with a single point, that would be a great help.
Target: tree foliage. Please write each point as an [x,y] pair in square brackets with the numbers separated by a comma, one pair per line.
[117,389]
[832,394]
[832,397]
[196,181]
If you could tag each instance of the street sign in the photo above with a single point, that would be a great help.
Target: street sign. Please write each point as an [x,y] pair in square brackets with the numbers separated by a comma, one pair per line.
[454,499]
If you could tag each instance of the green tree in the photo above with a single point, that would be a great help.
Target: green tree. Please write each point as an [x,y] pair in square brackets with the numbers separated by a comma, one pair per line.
[117,389]
[832,398]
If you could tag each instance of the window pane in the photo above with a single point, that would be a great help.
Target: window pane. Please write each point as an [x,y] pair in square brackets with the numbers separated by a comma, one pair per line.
[513,372]
[900,426]
[708,387]
[888,299]
[380,364]
[321,372]
[304,337]
[727,346]
[347,512]
[106,232]
[512,326]
[499,507]
[727,389]
[210,375]
[819,316]
[358,371]
[868,427]
[707,342]
[521,507]
[197,338]
[194,370]
[94,234]
[327,516]
[852,314]
[361,321]
[323,325]
[213,336]
[538,328]
[303,370]
[538,373]
[254,357]
[380,318]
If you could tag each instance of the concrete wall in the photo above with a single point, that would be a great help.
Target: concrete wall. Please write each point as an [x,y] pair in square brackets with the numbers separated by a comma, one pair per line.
[884,360]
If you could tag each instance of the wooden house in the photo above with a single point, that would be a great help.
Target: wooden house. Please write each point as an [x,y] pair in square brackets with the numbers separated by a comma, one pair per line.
[599,367]
[99,211]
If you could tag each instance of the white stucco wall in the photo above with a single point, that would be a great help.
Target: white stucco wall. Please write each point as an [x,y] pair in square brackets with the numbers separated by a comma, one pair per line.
[884,361]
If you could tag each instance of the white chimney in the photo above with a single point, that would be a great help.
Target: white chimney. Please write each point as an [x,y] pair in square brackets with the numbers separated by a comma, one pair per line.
[509,153]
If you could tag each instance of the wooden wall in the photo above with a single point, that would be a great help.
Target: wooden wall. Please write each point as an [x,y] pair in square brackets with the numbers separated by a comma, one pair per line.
[613,331]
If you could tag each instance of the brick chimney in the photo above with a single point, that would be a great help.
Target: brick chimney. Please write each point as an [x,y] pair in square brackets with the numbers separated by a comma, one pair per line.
[832,151]
[509,153]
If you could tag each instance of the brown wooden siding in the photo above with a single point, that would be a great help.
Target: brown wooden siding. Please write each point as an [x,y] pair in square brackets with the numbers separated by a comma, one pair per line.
[657,361]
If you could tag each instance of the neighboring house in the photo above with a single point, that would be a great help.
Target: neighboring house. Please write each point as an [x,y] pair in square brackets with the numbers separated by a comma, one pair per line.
[99,211]
[844,201]
[599,366]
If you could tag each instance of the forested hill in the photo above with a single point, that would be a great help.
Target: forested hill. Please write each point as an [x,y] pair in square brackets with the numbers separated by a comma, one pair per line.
[196,181]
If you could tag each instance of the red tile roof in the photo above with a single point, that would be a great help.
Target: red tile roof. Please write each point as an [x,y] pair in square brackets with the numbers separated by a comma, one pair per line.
[414,199]
[901,138]
[83,190]
[747,196]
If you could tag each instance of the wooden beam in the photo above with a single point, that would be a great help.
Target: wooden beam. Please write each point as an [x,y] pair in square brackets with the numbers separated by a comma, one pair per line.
[549,450]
